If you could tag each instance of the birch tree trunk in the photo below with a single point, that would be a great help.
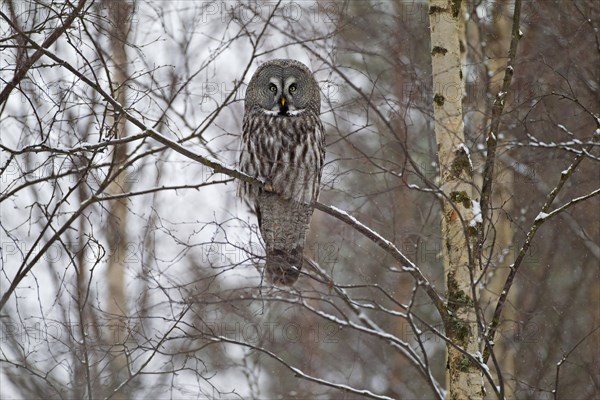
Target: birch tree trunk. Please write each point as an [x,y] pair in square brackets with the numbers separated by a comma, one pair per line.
[459,221]
[495,256]
[116,227]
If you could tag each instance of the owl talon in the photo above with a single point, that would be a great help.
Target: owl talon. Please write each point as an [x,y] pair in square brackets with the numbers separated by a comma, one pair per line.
[269,187]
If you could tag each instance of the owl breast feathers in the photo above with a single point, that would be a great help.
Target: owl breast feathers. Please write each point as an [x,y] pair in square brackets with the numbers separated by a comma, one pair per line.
[283,144]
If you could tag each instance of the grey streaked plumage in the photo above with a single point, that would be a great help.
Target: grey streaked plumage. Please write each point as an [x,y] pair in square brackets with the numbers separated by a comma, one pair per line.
[283,144]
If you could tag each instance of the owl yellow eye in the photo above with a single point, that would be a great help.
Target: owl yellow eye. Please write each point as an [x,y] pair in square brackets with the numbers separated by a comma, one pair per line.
[292,88]
[273,87]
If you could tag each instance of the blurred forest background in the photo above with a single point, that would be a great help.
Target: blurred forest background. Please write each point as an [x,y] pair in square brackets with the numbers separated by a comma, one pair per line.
[130,270]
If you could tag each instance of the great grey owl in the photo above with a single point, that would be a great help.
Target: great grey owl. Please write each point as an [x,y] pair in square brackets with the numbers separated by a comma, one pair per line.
[283,144]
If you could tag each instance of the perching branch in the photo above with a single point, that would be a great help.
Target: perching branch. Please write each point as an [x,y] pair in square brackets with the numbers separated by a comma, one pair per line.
[390,248]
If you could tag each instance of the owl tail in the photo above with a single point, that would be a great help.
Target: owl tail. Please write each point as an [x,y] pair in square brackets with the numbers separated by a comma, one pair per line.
[283,226]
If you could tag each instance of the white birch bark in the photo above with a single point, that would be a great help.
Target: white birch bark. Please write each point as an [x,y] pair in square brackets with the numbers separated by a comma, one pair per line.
[459,225]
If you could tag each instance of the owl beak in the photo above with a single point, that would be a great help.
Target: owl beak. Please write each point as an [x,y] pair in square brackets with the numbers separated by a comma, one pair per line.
[283,106]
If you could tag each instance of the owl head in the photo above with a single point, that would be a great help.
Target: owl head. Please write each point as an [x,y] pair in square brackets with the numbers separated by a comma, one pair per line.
[284,88]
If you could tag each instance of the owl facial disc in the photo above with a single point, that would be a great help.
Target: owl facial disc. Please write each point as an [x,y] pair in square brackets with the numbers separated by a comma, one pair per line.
[282,94]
